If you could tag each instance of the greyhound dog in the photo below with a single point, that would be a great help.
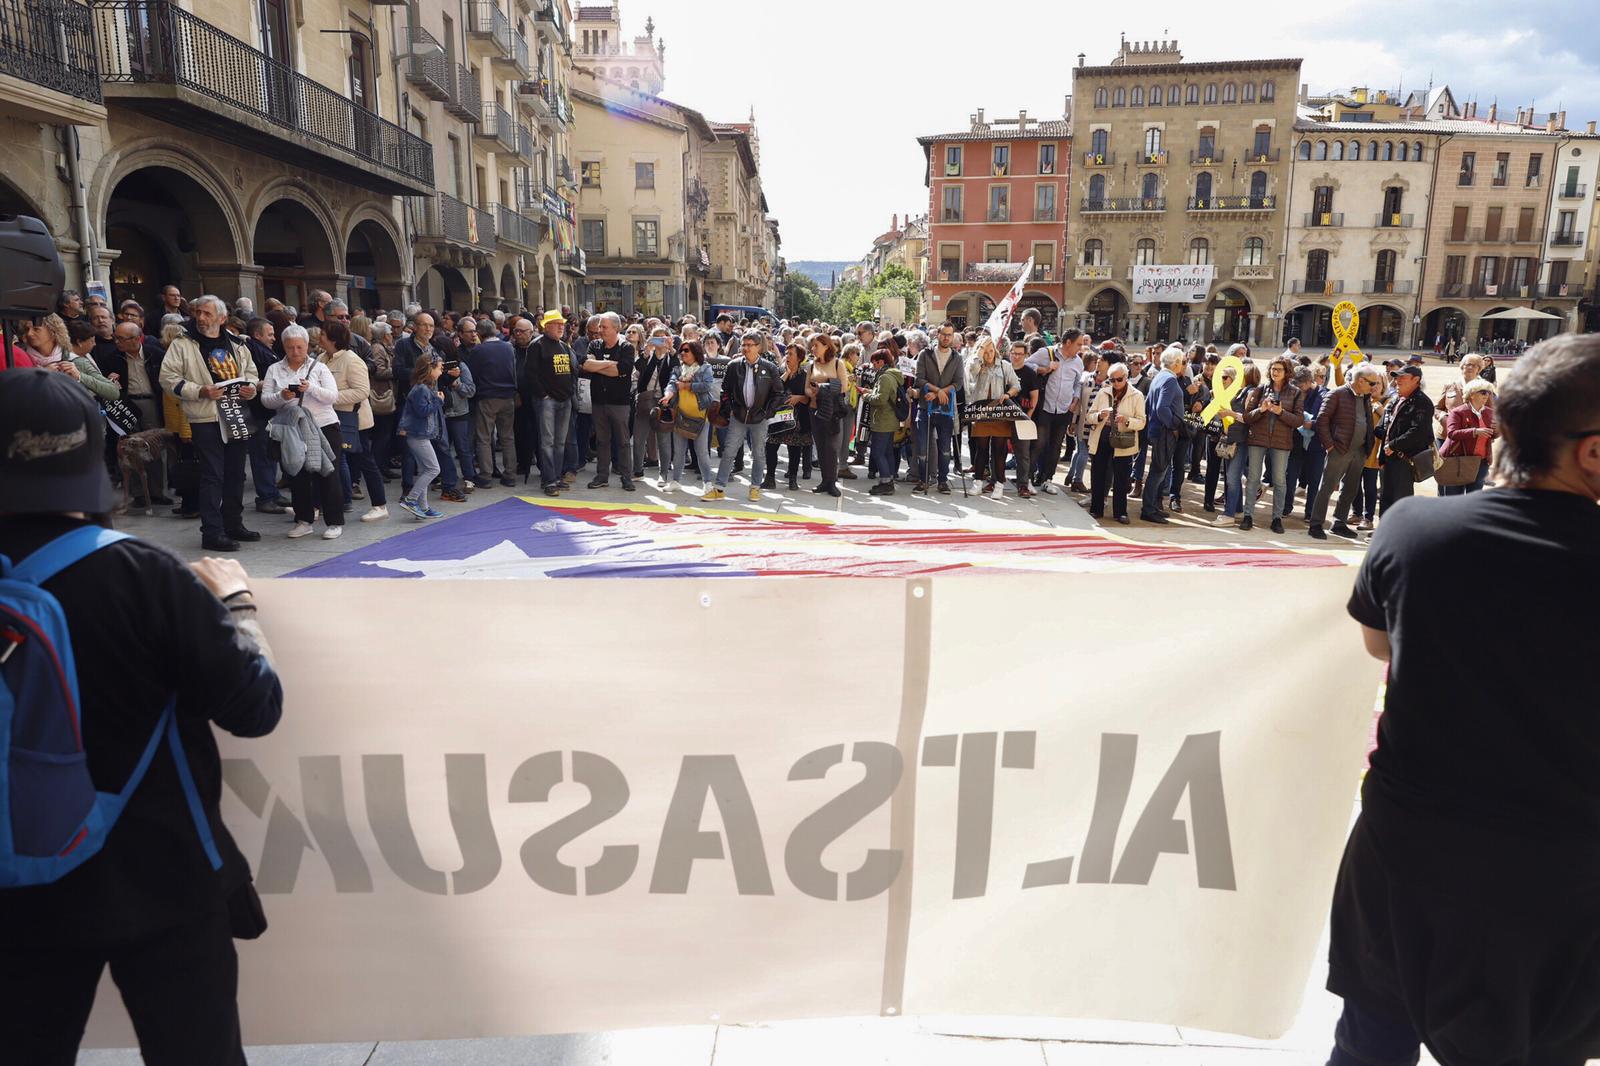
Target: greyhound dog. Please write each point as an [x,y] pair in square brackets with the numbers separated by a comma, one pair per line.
[135,453]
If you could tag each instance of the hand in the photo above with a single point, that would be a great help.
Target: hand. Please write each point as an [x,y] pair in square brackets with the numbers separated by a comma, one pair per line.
[440,395]
[247,392]
[222,576]
[455,371]
[1122,421]
[66,367]
[290,393]
[115,377]
[211,392]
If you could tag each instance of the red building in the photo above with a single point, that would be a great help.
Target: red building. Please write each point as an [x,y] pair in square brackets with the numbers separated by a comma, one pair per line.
[997,195]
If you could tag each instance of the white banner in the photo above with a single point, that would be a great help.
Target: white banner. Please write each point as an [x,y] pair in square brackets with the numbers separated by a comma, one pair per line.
[745,818]
[1172,283]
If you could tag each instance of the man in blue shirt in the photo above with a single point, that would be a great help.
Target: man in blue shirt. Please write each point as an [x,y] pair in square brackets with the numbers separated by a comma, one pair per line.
[1163,413]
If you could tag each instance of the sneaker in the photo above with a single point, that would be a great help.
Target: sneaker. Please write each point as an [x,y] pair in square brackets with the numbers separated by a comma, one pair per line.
[627,484]
[1048,488]
[453,497]
[1277,525]
[569,478]
[755,493]
[376,513]
[333,533]
[1316,533]
[469,486]
[270,507]
[1365,525]
[921,486]
[713,494]
[1339,529]
[356,493]
[944,488]
[999,490]
[671,486]
[1175,505]
[508,482]
[599,483]
[431,513]
[1247,523]
[301,529]
[413,507]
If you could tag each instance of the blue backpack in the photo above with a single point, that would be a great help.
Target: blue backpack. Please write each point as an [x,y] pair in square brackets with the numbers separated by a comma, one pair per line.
[51,818]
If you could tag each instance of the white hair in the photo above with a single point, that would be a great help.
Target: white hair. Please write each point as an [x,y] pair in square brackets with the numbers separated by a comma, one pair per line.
[1172,356]
[1477,385]
[1367,371]
[244,305]
[294,333]
[413,309]
[217,304]
[1237,350]
[381,329]
[613,318]
[336,305]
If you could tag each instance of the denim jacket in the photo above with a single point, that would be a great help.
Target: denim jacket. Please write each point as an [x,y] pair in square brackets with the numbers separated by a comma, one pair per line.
[700,380]
[423,416]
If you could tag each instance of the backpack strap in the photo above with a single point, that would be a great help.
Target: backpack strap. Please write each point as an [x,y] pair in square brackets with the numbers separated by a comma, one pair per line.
[191,794]
[69,548]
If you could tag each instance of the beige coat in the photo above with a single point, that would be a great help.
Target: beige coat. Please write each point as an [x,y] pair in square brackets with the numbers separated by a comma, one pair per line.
[184,373]
[355,389]
[1132,405]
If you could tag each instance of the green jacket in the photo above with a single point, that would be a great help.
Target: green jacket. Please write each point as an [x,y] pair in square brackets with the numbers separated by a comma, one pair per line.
[881,401]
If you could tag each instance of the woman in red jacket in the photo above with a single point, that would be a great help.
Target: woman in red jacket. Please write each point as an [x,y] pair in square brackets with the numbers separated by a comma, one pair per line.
[1468,429]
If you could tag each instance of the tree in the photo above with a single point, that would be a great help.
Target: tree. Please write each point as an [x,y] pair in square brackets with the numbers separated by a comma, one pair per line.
[802,298]
[841,303]
[894,280]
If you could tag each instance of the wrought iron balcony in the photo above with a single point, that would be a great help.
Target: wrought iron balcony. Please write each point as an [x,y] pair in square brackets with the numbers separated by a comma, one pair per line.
[448,219]
[1125,204]
[1324,219]
[1271,155]
[1526,236]
[497,129]
[1394,220]
[158,57]
[1253,272]
[1571,191]
[525,142]
[1323,286]
[429,72]
[1099,159]
[1568,240]
[1451,290]
[1153,159]
[1501,291]
[575,261]
[519,55]
[1386,286]
[488,25]
[1563,291]
[1205,158]
[466,102]
[1232,203]
[534,94]
[49,44]
[512,227]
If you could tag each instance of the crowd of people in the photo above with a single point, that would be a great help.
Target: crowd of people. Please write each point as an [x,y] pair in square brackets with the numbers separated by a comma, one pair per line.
[332,406]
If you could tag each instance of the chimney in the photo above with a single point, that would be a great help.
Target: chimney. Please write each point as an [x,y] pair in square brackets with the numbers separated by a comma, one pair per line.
[1022,122]
[1561,120]
[1590,129]
[1550,123]
[980,116]
[894,222]
[1080,59]
[1494,109]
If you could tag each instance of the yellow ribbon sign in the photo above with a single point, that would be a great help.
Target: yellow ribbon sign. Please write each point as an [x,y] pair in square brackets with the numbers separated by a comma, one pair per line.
[1345,321]
[1222,393]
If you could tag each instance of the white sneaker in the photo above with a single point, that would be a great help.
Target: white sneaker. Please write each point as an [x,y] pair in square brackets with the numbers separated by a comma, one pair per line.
[1048,488]
[999,491]
[673,486]
[301,529]
[333,533]
[375,514]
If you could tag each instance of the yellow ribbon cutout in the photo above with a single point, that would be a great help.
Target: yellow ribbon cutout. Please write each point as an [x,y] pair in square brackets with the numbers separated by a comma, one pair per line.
[1222,394]
[1346,334]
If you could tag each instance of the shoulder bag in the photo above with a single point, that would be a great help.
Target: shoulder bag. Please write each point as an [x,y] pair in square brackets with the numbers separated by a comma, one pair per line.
[350,431]
[1458,470]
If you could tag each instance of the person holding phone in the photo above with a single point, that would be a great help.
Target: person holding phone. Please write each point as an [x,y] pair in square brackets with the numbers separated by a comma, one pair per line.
[298,378]
[1115,419]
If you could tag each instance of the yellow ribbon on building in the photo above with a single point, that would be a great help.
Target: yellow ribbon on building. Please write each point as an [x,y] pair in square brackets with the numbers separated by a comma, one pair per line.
[1345,334]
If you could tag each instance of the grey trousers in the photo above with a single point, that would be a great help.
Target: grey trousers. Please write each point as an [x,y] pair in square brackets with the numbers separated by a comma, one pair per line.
[648,442]
[1343,470]
[611,424]
[495,415]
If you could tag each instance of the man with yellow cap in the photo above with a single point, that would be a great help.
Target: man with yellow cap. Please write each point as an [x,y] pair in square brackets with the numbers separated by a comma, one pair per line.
[551,381]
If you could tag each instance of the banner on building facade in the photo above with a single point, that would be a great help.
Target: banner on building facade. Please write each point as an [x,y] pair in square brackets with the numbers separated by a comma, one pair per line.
[753,821]
[1183,283]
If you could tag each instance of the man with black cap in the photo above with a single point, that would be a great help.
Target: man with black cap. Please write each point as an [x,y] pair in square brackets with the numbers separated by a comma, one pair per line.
[160,902]
[1406,430]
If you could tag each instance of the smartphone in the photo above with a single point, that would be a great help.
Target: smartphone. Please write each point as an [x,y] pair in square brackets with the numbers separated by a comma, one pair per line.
[451,364]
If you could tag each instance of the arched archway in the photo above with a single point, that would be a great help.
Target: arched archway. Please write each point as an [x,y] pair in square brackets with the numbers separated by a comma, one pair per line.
[372,259]
[13,201]
[294,249]
[508,287]
[1312,323]
[1049,313]
[1229,318]
[487,287]
[1496,329]
[968,310]
[1381,326]
[1106,310]
[168,229]
[550,287]
[443,288]
[1443,325]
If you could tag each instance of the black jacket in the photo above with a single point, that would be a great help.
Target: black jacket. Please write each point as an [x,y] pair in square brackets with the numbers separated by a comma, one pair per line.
[769,390]
[1407,427]
[605,389]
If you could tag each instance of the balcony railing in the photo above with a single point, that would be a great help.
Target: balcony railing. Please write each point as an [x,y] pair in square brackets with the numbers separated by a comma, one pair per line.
[516,228]
[525,142]
[1252,272]
[1153,159]
[1321,219]
[1563,291]
[429,72]
[1044,214]
[1204,158]
[498,128]
[1392,220]
[466,102]
[996,273]
[448,219]
[999,214]
[1527,236]
[50,44]
[487,22]
[575,261]
[519,54]
[1571,192]
[1092,272]
[1271,155]
[1099,159]
[154,42]
[1451,290]
[1126,204]
[1325,286]
[1386,286]
[1232,203]
[1568,240]
[1500,291]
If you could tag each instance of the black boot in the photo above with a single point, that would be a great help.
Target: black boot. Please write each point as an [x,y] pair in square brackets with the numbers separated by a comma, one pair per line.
[770,481]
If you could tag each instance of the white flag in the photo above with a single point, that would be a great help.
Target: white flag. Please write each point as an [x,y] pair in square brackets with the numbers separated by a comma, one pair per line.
[1000,321]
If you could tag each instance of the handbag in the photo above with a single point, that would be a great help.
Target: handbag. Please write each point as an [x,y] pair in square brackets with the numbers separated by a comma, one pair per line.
[1124,438]
[1458,470]
[350,431]
[1425,463]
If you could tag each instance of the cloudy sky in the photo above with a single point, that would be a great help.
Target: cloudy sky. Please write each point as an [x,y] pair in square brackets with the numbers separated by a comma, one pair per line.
[842,88]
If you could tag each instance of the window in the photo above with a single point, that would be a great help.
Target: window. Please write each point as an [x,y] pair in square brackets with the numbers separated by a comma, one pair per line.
[1199,251]
[1202,189]
[949,262]
[1519,272]
[1322,205]
[1248,92]
[1044,203]
[1566,226]
[999,203]
[1372,150]
[1255,249]
[1455,269]
[952,161]
[1391,206]
[952,204]
[1383,270]
[644,175]
[1229,93]
[1099,98]
[1207,148]
[1119,98]
[592,234]
[590,171]
[1525,224]
[1268,90]
[1355,150]
[1152,143]
[1000,163]
[1136,97]
[1144,253]
[648,297]
[1535,170]
[1258,188]
[1263,142]
[1491,223]
[1458,222]
[1316,267]
[1150,187]
[646,236]
[1094,253]
[1305,150]
[1569,188]
[1468,161]
[1098,140]
[1338,149]
[1193,95]
[996,252]
[1322,150]
[1044,261]
[1155,96]
[1416,151]
[1502,169]
[1488,271]
[1211,92]
[1097,189]
[1047,159]
[1174,95]
[1388,150]
[1558,279]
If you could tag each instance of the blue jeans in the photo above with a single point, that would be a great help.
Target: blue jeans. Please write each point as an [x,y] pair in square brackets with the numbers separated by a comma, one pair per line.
[1462,490]
[578,453]
[734,438]
[263,471]
[1181,450]
[1080,460]
[940,428]
[702,453]
[460,430]
[553,417]
[1276,461]
[1233,482]
[883,463]
[1162,442]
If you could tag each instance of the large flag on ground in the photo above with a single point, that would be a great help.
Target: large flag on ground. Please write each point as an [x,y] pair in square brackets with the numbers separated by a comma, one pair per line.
[1000,321]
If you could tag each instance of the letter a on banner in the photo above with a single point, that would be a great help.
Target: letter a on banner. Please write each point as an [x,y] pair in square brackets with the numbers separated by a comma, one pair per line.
[1000,321]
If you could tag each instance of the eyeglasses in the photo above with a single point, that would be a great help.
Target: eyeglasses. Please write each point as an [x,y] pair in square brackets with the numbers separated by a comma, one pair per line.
[751,344]
[1119,380]
[1582,433]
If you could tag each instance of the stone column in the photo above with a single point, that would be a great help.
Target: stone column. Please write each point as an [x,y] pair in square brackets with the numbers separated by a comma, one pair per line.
[1257,327]
[231,281]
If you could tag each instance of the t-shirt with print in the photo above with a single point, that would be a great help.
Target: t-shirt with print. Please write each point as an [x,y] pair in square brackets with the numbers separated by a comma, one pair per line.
[1029,381]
